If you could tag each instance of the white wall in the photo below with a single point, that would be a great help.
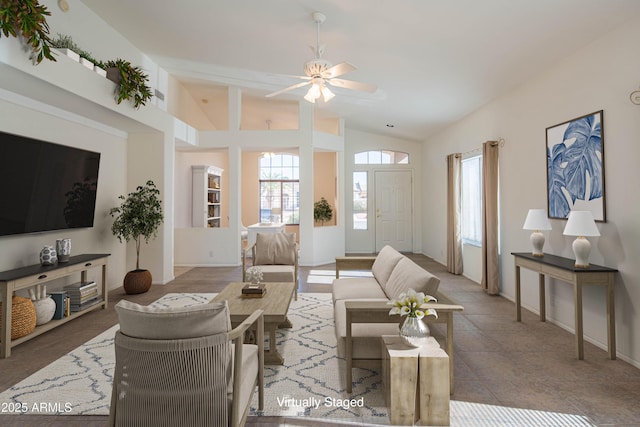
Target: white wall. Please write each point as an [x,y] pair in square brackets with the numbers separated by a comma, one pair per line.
[600,76]
[147,133]
[363,241]
[24,117]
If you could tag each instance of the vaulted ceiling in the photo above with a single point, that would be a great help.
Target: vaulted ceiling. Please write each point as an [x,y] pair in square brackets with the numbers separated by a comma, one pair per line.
[433,61]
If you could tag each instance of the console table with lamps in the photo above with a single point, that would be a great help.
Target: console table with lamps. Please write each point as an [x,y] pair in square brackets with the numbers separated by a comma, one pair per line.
[565,269]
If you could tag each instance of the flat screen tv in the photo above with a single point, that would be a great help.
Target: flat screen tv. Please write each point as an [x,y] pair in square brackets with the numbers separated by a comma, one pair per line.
[45,186]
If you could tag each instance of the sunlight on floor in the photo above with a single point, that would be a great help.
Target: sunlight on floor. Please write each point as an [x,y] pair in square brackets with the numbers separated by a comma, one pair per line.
[327,276]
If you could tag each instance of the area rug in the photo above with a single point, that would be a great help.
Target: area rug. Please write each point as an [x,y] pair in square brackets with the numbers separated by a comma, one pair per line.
[310,384]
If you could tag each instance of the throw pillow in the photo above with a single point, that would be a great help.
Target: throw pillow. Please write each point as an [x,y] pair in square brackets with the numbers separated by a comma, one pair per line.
[275,248]
[408,274]
[385,262]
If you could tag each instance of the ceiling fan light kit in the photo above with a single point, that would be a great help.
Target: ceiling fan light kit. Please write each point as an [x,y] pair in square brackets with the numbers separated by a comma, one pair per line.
[320,73]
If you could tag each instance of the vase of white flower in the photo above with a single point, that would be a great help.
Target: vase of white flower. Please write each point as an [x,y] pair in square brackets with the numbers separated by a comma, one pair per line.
[413,330]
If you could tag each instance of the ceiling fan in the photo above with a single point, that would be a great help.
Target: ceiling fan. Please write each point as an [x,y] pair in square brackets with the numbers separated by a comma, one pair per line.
[321,74]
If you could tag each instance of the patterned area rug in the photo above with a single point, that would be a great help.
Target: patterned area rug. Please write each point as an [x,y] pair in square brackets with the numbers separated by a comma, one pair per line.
[308,385]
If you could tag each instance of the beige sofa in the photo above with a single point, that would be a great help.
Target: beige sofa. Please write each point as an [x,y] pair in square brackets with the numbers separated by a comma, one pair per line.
[361,310]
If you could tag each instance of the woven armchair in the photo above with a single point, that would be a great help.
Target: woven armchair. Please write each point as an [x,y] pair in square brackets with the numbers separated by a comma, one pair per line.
[185,366]
[277,256]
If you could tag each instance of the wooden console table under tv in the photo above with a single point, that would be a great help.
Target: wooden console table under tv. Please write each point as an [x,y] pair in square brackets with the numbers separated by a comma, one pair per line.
[564,269]
[26,277]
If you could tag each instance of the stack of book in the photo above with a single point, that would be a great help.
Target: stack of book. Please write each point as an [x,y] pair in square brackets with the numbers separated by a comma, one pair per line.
[253,291]
[82,295]
[63,305]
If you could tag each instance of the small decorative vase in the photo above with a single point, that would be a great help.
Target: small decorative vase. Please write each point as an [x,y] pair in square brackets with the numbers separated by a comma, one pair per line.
[254,275]
[48,256]
[45,308]
[63,248]
[414,332]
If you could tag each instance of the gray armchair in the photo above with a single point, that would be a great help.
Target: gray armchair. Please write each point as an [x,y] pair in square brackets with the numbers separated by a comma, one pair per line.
[185,366]
[277,256]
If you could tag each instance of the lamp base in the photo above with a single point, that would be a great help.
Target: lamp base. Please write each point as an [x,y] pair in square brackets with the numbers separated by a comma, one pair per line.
[537,241]
[581,248]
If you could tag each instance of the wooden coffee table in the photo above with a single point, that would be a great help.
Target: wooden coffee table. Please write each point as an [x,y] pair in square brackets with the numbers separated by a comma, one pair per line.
[274,303]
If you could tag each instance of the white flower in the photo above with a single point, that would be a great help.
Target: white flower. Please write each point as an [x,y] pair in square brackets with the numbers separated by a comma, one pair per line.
[410,303]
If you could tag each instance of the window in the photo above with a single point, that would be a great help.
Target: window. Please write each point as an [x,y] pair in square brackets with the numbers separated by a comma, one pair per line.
[381,157]
[360,201]
[472,200]
[280,188]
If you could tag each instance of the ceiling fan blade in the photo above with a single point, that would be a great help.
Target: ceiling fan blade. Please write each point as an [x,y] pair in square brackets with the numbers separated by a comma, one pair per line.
[350,84]
[338,70]
[288,89]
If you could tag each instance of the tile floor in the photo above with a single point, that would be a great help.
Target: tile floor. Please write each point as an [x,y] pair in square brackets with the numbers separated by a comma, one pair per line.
[497,360]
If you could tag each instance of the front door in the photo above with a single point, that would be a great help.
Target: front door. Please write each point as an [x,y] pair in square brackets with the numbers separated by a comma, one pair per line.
[393,210]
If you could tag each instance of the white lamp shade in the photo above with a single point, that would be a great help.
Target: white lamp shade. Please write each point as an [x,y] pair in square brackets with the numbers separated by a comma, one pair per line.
[327,95]
[536,220]
[581,223]
[313,93]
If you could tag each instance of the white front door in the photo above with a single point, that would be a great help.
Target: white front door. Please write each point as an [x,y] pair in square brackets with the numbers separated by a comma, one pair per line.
[393,210]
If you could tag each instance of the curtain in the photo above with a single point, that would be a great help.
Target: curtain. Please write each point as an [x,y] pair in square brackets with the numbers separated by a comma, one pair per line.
[490,268]
[454,232]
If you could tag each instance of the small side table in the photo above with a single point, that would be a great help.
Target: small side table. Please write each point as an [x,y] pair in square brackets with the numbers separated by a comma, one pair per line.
[416,382]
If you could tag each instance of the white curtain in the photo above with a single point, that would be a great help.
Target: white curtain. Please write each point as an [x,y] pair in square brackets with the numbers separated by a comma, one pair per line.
[454,232]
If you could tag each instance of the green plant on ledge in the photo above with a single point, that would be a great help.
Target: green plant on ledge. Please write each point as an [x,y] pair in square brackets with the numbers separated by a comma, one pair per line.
[62,41]
[26,20]
[322,211]
[131,81]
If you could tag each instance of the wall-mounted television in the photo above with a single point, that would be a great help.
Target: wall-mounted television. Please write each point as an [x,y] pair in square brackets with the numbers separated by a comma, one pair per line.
[45,186]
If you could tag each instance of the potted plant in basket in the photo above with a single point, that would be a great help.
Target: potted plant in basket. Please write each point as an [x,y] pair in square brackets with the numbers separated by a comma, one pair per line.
[139,215]
[322,211]
[131,81]
[26,20]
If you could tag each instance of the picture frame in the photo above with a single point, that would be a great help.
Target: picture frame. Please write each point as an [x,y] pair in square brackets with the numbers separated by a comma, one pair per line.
[575,167]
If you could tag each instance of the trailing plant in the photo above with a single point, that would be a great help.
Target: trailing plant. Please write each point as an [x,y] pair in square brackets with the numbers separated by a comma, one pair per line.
[322,211]
[26,20]
[132,85]
[139,215]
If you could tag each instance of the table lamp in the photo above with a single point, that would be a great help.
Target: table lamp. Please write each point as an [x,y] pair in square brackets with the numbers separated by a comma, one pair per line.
[581,224]
[537,220]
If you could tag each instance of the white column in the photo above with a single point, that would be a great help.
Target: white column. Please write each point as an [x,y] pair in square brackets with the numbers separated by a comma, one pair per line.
[306,183]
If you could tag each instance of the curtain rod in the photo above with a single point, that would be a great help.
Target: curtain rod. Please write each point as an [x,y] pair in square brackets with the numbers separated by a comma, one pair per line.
[499,143]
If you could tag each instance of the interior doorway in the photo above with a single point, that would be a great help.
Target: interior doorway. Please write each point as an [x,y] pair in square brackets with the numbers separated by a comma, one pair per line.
[393,210]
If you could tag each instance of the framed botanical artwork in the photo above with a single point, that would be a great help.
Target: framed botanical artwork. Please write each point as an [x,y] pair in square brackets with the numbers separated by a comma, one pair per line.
[575,167]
